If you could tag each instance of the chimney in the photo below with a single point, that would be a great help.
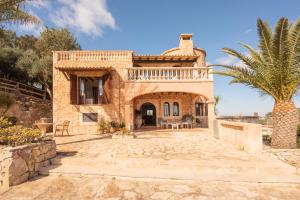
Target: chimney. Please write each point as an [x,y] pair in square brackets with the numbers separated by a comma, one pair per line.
[186,44]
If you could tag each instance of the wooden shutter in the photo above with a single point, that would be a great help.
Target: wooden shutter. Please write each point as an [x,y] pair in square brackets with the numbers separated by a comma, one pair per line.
[74,89]
[106,87]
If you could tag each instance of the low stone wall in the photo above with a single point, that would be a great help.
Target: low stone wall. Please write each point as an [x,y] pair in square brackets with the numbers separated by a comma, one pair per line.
[18,164]
[244,136]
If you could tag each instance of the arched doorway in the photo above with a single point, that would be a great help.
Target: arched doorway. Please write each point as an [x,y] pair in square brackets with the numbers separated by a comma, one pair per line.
[148,111]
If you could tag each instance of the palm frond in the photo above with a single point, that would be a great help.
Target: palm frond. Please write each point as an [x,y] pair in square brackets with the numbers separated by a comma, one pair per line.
[295,42]
[274,69]
[265,39]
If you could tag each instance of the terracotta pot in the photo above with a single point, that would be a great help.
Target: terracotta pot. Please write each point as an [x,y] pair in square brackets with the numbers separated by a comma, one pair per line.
[138,121]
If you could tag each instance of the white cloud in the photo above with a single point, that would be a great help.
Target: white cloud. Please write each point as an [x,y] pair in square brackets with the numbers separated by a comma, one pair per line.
[34,29]
[31,28]
[227,60]
[248,30]
[39,3]
[230,60]
[87,16]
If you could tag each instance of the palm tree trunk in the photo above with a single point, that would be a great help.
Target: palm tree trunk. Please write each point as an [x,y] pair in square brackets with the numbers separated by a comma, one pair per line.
[285,119]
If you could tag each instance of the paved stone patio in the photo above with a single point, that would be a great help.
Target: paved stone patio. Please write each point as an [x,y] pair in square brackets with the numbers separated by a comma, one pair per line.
[159,165]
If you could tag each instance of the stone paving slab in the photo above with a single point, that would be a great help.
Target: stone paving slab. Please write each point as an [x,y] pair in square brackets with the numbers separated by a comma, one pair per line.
[69,187]
[177,155]
[159,165]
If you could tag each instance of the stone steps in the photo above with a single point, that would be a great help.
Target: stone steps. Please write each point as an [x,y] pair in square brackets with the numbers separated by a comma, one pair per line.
[177,163]
[209,170]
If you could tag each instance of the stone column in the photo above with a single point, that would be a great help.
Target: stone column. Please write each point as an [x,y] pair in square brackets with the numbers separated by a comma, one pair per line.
[211,114]
[128,115]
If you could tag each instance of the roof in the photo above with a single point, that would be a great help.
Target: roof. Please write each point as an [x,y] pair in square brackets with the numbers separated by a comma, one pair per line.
[76,65]
[164,58]
[177,48]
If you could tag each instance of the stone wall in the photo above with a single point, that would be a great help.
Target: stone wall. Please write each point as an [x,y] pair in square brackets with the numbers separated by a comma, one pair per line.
[27,110]
[244,136]
[18,164]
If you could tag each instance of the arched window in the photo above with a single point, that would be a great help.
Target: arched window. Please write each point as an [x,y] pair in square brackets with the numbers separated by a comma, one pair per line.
[166,109]
[175,109]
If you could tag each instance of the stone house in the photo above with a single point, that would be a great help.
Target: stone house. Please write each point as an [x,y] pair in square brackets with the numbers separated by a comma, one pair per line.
[120,85]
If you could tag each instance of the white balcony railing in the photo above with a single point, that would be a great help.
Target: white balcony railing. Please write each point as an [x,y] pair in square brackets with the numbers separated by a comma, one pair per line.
[169,74]
[92,56]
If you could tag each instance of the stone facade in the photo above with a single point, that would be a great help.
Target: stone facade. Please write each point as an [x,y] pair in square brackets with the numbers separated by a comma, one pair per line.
[178,73]
[18,164]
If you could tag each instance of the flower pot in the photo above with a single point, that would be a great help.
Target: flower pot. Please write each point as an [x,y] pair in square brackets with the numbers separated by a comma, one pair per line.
[138,121]
[112,130]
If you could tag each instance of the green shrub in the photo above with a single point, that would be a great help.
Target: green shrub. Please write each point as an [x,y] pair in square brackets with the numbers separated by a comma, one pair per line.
[13,120]
[298,130]
[187,117]
[122,125]
[6,101]
[4,122]
[18,135]
[113,124]
[102,125]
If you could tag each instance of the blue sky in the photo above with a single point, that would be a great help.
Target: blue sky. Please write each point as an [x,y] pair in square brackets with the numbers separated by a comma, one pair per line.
[150,27]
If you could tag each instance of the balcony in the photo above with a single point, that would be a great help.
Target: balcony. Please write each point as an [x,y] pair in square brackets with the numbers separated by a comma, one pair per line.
[91,56]
[169,74]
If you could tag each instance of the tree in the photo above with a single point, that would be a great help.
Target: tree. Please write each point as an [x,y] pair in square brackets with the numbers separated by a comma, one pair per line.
[56,40]
[13,11]
[38,63]
[26,42]
[217,100]
[42,72]
[8,59]
[8,39]
[273,70]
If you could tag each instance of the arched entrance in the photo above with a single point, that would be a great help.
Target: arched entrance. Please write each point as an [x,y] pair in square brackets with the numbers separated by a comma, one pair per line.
[148,111]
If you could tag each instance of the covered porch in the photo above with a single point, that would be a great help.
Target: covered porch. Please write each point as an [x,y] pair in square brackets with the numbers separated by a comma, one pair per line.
[170,110]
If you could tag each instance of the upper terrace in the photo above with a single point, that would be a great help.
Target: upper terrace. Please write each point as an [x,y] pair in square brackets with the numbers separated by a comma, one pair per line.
[183,63]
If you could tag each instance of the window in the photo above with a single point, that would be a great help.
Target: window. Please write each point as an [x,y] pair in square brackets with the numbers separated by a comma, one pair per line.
[175,109]
[89,117]
[91,90]
[201,109]
[166,109]
[149,112]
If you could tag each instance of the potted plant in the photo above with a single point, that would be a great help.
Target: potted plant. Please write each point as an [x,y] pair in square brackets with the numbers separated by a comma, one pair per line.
[113,126]
[102,125]
[138,118]
[187,117]
[122,126]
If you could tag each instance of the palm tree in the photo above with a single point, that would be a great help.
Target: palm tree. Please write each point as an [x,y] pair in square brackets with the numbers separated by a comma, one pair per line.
[273,70]
[12,11]
[217,100]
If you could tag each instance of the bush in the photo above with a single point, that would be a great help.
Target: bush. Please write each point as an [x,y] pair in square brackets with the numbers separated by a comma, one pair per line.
[13,120]
[4,122]
[122,125]
[18,135]
[113,124]
[187,117]
[6,101]
[298,130]
[102,125]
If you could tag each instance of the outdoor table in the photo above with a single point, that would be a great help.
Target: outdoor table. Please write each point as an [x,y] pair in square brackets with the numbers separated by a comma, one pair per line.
[43,126]
[175,125]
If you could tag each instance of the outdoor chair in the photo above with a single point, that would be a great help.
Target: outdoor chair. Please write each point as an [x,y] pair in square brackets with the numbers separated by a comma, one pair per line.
[62,127]
[162,123]
[187,124]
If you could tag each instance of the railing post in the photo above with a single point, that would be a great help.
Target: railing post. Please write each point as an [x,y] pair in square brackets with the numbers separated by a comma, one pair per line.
[18,88]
